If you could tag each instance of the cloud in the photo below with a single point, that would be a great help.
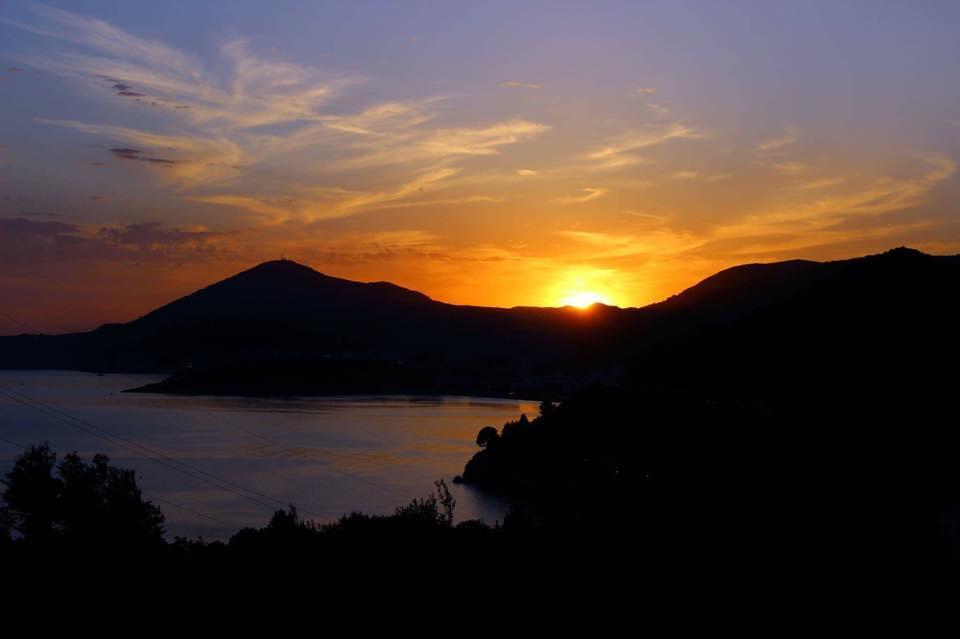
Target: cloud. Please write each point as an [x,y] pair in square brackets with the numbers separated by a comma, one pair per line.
[442,144]
[358,247]
[646,217]
[658,241]
[196,159]
[45,214]
[790,168]
[310,204]
[658,109]
[807,209]
[513,84]
[24,241]
[589,193]
[817,213]
[527,172]
[618,152]
[256,130]
[683,175]
[818,184]
[718,177]
[788,137]
[645,91]
[126,90]
[101,36]
[136,154]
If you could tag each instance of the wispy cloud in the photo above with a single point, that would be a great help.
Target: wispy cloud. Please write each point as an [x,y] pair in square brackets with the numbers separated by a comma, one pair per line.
[777,142]
[192,159]
[619,152]
[440,144]
[816,213]
[589,193]
[658,110]
[657,241]
[253,116]
[514,84]
[822,203]
[790,168]
[310,204]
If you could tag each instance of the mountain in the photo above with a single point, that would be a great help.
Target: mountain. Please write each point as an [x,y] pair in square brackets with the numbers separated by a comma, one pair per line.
[770,330]
[283,319]
[757,329]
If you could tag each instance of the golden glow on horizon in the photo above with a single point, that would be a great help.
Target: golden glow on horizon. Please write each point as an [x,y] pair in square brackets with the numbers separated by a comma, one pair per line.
[584,286]
[585,299]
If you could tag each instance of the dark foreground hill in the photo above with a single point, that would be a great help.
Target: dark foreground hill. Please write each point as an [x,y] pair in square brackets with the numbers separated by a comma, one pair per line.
[775,331]
[796,422]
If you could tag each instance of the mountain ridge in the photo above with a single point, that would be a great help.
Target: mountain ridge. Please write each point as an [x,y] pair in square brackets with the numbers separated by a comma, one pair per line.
[281,315]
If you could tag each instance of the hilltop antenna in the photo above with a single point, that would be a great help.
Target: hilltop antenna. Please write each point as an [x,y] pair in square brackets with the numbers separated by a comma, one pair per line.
[282,258]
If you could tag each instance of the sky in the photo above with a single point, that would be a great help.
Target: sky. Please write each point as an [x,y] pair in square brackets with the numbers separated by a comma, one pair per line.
[492,153]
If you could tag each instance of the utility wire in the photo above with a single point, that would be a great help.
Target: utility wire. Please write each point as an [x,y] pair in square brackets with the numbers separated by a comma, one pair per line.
[144,451]
[149,496]
[154,455]
[19,323]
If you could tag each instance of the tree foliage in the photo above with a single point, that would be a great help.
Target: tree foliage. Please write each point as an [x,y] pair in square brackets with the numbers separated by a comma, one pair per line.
[76,500]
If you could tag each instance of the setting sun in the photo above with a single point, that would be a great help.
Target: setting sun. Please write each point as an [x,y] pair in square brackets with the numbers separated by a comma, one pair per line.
[585,299]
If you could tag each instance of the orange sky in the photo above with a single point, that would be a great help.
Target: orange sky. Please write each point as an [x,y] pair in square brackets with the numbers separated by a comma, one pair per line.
[515,154]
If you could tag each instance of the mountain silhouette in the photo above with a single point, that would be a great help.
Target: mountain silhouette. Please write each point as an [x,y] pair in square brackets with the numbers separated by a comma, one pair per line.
[769,329]
[756,324]
[283,291]
[283,316]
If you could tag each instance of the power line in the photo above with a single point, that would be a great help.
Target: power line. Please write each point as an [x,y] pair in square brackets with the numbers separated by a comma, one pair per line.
[19,323]
[189,510]
[12,443]
[149,495]
[159,457]
[129,445]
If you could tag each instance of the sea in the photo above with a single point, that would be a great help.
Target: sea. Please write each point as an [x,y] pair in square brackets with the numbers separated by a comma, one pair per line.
[215,465]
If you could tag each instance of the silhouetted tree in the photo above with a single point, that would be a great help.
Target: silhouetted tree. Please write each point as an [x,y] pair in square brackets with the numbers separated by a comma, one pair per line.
[86,502]
[31,494]
[511,428]
[486,436]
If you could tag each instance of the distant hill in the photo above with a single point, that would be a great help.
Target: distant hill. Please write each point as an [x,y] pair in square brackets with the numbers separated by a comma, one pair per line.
[281,317]
[756,325]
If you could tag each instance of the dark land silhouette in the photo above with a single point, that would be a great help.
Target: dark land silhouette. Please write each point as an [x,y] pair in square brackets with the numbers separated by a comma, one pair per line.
[282,316]
[774,423]
[283,329]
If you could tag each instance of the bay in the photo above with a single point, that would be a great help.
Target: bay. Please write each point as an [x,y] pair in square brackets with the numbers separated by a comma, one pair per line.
[217,464]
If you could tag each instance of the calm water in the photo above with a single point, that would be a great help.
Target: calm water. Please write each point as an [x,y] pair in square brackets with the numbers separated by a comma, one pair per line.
[329,456]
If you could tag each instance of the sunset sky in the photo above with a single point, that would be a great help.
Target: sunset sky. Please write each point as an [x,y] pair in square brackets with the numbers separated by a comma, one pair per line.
[495,153]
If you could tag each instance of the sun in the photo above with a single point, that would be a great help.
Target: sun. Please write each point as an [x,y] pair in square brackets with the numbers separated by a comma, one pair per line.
[585,299]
